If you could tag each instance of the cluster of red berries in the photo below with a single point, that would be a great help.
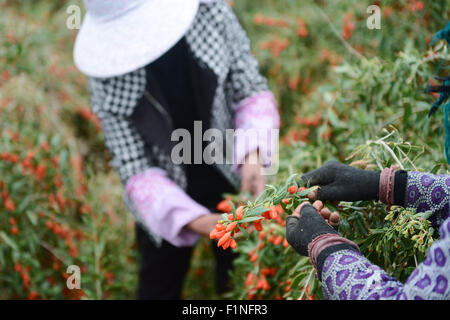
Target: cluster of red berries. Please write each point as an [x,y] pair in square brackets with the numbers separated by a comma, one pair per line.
[348,26]
[302,30]
[293,189]
[259,19]
[225,232]
[276,45]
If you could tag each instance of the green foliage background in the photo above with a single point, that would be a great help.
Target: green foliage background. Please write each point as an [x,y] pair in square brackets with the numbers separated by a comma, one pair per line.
[363,88]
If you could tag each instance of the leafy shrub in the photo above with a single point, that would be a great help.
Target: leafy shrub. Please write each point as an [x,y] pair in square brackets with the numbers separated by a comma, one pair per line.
[341,89]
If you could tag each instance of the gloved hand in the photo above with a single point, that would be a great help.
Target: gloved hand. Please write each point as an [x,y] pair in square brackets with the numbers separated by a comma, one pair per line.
[340,182]
[303,226]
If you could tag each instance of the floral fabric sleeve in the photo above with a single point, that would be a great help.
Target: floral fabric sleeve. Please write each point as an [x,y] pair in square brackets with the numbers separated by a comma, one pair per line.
[348,275]
[426,191]
[163,207]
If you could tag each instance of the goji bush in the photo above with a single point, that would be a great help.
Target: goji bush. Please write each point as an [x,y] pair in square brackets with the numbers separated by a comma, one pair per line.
[349,94]
[54,211]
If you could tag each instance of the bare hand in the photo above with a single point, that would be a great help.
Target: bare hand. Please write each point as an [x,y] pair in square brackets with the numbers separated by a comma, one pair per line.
[204,224]
[252,179]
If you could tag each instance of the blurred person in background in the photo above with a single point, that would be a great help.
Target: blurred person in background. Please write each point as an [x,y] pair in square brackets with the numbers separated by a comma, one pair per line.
[159,65]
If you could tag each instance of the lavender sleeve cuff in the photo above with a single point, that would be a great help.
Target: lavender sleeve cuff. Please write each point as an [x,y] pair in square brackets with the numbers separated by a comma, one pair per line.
[164,207]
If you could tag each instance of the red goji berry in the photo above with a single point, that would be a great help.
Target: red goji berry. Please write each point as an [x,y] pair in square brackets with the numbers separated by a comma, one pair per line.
[33,295]
[213,234]
[249,280]
[226,244]
[258,225]
[220,234]
[253,258]
[14,230]
[240,213]
[40,171]
[224,206]
[292,189]
[278,240]
[273,213]
[231,226]
[219,227]
[224,239]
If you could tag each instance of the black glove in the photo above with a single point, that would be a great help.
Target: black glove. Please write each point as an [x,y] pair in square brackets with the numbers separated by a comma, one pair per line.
[301,231]
[340,182]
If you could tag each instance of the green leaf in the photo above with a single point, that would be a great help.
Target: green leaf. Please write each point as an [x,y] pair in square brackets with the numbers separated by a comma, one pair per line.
[305,192]
[263,194]
[256,211]
[295,283]
[233,209]
[9,241]
[32,217]
[250,219]
[280,197]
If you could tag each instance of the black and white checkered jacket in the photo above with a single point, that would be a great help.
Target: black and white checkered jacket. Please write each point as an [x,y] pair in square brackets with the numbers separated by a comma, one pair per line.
[220,44]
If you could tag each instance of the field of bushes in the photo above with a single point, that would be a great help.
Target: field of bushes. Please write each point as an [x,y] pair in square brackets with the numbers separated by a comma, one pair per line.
[345,92]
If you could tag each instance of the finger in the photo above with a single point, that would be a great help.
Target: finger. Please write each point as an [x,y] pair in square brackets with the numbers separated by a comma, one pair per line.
[245,183]
[318,205]
[291,225]
[299,209]
[330,193]
[260,185]
[314,177]
[296,212]
[325,213]
[312,196]
[334,219]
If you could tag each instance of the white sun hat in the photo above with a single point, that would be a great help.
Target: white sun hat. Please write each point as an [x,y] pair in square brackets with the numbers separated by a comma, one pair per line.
[120,36]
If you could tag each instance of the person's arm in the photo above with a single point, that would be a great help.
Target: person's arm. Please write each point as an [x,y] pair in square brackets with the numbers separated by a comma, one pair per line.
[347,275]
[256,111]
[161,205]
[422,191]
[254,104]
[167,210]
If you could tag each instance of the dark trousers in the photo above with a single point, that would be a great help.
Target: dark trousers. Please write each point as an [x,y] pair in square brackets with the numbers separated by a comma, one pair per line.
[163,270]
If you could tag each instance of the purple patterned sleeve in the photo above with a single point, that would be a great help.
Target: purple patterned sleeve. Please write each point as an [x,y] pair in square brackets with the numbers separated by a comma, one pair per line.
[348,275]
[426,191]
